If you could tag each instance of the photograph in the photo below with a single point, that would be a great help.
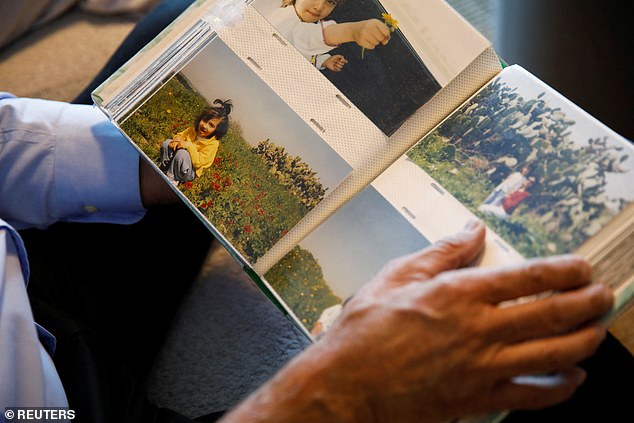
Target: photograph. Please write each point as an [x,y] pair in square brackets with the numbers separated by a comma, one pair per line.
[544,175]
[342,254]
[244,160]
[360,49]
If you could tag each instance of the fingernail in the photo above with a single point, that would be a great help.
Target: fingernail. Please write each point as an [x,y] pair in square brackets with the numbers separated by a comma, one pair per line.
[608,296]
[473,224]
[580,377]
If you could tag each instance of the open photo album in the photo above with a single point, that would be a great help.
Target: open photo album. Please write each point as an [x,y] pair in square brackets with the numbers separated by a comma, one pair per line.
[317,143]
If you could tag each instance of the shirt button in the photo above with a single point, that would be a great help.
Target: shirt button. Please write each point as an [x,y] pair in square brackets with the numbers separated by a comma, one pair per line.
[90,209]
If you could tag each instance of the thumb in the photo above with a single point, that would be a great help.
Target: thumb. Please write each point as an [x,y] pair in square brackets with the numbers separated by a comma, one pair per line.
[450,253]
[453,252]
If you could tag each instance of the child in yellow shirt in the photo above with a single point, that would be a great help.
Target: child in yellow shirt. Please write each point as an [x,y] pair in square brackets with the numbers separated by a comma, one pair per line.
[187,154]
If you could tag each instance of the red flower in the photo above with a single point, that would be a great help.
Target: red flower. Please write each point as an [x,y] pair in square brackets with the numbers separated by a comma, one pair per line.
[247,228]
[189,184]
[215,186]
[227,182]
[217,161]
[209,203]
[203,205]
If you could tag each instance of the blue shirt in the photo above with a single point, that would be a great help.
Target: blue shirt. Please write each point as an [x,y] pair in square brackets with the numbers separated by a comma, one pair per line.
[58,162]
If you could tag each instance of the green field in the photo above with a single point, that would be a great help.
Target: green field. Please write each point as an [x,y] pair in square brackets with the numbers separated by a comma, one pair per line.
[499,132]
[298,279]
[246,197]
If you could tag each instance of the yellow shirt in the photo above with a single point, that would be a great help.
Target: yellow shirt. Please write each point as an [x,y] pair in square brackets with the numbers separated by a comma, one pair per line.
[201,150]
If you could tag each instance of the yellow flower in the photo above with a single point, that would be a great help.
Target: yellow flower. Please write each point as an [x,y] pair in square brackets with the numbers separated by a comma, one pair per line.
[390,21]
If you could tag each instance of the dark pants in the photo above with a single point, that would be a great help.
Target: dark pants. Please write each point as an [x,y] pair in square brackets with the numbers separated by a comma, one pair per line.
[107,294]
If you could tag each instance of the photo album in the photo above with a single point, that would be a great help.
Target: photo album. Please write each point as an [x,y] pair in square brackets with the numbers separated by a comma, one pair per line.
[318,140]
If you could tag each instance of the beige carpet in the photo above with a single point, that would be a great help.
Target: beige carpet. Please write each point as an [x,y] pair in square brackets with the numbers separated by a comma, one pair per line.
[58,60]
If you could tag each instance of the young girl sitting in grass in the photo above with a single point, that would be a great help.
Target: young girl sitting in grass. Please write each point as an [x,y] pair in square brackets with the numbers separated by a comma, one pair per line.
[187,154]
[302,23]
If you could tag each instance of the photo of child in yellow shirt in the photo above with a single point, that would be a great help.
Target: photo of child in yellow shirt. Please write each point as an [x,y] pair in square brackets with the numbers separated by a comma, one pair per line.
[188,153]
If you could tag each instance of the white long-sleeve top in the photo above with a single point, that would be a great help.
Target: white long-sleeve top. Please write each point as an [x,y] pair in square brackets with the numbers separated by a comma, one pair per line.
[307,38]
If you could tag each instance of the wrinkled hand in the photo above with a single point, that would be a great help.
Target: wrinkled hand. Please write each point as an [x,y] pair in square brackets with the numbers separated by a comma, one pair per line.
[153,189]
[425,342]
[370,33]
[335,63]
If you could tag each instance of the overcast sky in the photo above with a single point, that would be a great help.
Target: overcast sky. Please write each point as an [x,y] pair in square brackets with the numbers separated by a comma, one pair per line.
[359,239]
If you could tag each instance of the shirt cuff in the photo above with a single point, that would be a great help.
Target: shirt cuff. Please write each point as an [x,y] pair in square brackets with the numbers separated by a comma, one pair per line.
[96,170]
[320,59]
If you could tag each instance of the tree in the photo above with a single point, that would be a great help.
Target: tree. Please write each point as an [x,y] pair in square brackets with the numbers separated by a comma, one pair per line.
[292,172]
[499,132]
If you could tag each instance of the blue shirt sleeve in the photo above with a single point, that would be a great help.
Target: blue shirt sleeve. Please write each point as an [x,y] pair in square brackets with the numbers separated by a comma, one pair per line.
[27,372]
[61,161]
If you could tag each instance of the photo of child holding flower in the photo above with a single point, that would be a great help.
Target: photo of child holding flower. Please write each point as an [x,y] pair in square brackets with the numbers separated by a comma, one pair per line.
[187,154]
[304,24]
[359,48]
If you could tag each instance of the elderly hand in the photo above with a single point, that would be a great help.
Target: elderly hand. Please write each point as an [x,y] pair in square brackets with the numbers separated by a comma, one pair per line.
[153,189]
[425,342]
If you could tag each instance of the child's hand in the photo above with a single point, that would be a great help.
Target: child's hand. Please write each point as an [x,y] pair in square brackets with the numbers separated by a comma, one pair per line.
[335,63]
[173,145]
[182,143]
[370,33]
